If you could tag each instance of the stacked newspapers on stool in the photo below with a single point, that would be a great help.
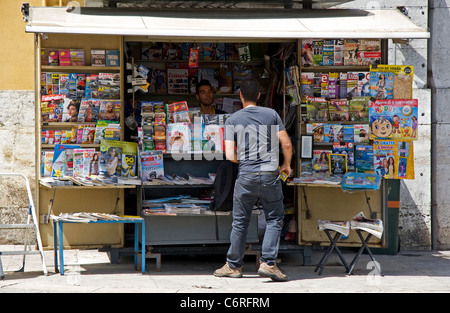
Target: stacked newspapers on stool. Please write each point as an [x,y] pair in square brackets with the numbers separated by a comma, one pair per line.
[373,227]
[341,228]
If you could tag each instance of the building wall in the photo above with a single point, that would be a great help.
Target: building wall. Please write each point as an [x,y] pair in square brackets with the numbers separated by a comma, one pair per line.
[17,113]
[17,118]
[439,80]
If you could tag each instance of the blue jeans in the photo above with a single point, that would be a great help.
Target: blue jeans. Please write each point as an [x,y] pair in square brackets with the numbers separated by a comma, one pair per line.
[248,189]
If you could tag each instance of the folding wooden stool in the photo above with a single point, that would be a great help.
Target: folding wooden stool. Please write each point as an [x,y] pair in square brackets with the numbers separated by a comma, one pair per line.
[333,241]
[360,251]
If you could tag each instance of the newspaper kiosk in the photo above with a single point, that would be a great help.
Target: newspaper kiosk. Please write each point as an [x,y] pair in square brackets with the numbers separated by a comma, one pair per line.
[90,28]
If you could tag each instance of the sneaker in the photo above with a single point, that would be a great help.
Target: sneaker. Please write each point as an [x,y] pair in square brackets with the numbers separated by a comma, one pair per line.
[271,271]
[227,271]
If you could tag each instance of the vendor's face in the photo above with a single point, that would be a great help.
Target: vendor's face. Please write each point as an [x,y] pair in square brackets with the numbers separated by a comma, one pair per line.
[205,95]
[381,129]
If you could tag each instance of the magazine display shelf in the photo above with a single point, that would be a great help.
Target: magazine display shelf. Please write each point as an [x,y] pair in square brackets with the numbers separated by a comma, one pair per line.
[66,199]
[317,201]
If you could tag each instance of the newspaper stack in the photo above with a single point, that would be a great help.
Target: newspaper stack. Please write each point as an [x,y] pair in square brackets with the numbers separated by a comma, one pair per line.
[342,227]
[372,226]
[85,217]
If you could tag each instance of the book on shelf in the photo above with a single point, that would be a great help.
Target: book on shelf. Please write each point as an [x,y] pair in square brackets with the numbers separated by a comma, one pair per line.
[372,226]
[64,57]
[53,57]
[342,227]
[112,58]
[98,57]
[77,57]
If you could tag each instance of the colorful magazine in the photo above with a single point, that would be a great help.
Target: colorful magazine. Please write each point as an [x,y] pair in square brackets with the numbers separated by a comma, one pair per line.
[152,165]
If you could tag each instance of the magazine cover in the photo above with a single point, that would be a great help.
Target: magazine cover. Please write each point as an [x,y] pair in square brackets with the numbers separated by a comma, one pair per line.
[321,161]
[179,112]
[152,165]
[358,109]
[381,84]
[348,133]
[402,81]
[403,115]
[364,158]
[213,138]
[307,52]
[178,138]
[361,133]
[118,158]
[333,133]
[333,86]
[393,159]
[109,110]
[177,81]
[338,110]
[100,129]
[338,164]
[307,85]
[347,149]
[59,159]
[52,107]
[79,161]
[47,161]
[316,109]
[317,130]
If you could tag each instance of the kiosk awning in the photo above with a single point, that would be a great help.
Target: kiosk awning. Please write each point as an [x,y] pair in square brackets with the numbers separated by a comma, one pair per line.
[231,24]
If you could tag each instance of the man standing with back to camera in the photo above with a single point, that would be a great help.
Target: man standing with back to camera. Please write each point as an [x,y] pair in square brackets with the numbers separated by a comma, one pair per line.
[252,138]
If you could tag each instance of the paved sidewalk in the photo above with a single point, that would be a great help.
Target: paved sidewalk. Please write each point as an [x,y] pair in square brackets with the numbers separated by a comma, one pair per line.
[89,271]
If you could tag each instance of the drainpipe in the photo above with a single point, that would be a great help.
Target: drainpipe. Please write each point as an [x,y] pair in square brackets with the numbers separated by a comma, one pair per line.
[432,86]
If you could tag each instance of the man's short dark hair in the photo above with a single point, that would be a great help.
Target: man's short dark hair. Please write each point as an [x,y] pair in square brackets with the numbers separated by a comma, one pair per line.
[250,89]
[203,82]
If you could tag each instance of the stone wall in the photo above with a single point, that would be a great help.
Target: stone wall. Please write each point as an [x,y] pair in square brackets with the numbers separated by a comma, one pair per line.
[17,155]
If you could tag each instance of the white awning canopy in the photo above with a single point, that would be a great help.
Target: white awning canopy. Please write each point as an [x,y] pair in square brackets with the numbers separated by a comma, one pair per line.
[230,24]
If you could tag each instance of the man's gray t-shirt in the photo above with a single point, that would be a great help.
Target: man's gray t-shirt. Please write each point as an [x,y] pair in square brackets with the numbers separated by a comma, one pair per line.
[255,131]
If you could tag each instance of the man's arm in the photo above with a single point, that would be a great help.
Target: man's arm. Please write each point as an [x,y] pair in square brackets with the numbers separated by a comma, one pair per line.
[286,146]
[230,151]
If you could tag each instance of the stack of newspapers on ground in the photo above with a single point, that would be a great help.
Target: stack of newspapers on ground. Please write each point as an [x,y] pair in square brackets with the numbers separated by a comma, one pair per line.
[372,226]
[342,227]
